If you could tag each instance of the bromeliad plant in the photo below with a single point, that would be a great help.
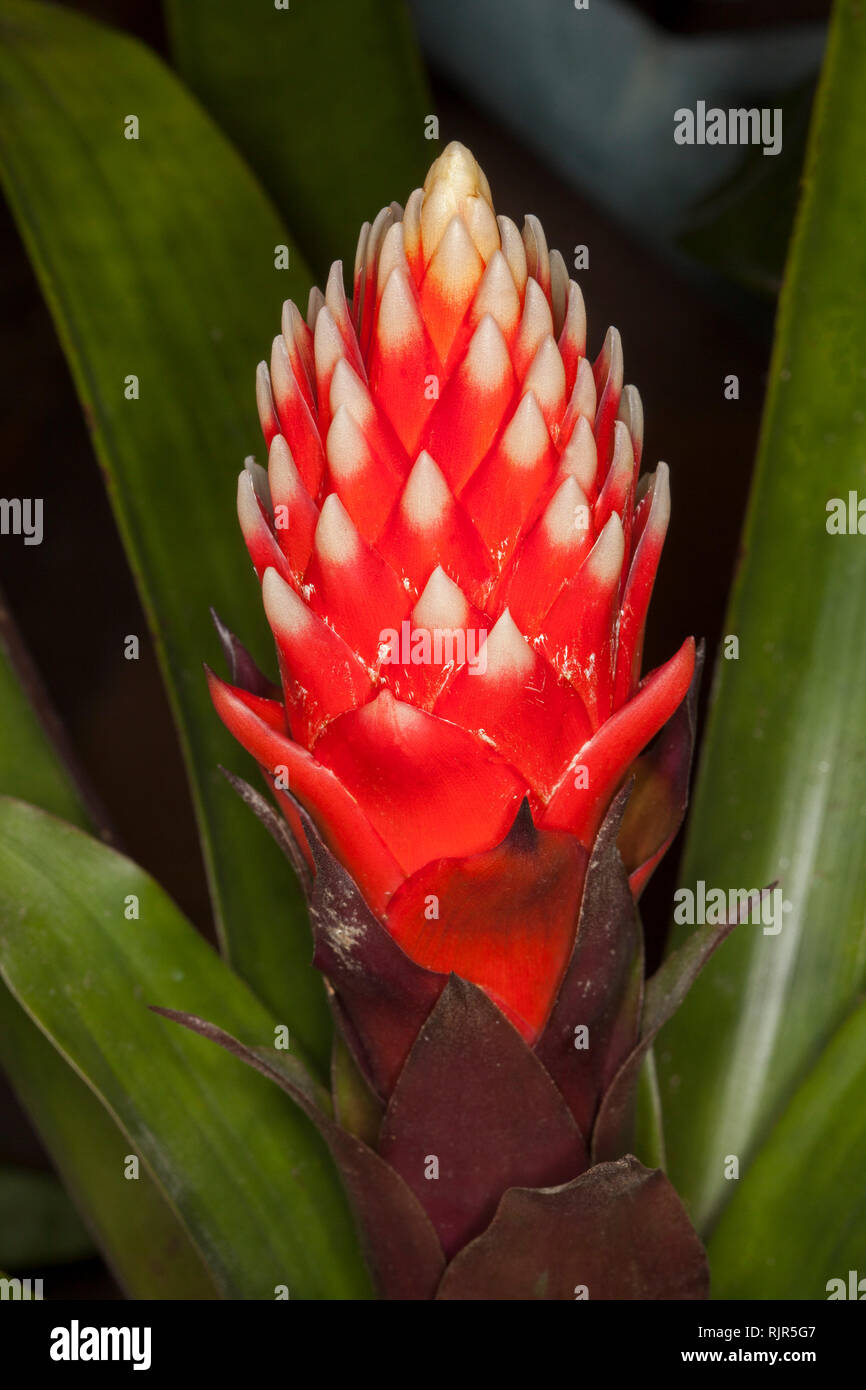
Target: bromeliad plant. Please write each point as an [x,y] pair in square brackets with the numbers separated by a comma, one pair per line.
[456,560]
[457,555]
[463,762]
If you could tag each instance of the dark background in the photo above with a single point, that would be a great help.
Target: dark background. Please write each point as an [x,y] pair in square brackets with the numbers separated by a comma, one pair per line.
[74,599]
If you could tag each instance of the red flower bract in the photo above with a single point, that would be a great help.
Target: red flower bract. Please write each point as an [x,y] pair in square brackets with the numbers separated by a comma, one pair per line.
[457,556]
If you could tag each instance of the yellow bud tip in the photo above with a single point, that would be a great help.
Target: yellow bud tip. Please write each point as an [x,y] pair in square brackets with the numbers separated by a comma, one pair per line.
[458,171]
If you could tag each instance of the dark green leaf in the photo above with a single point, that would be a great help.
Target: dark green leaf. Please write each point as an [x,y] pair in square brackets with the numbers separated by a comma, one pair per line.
[403,1251]
[137,1230]
[247,1174]
[156,256]
[327,102]
[29,767]
[780,793]
[38,1223]
[743,228]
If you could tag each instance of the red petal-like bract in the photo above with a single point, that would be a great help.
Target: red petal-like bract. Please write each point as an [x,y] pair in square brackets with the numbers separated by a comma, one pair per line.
[457,564]
[457,556]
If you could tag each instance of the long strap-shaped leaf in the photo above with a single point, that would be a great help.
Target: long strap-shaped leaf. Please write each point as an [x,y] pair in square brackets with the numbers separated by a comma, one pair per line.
[87,941]
[327,101]
[157,256]
[137,1230]
[797,1220]
[781,788]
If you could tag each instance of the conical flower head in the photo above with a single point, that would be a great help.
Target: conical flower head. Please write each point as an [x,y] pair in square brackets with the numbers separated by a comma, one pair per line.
[456,556]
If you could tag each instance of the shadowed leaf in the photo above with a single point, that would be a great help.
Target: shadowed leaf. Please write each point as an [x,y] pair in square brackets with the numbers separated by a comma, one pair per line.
[157,259]
[401,1245]
[603,982]
[474,1098]
[134,1225]
[619,1231]
[779,795]
[327,101]
[86,941]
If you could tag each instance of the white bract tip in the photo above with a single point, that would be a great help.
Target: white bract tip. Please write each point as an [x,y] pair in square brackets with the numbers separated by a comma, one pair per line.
[314,304]
[337,304]
[536,322]
[442,603]
[481,223]
[348,389]
[525,439]
[546,375]
[264,397]
[345,446]
[631,413]
[497,294]
[249,511]
[568,515]
[604,561]
[335,290]
[622,461]
[456,267]
[574,327]
[381,222]
[261,486]
[328,345]
[391,255]
[426,496]
[660,507]
[390,713]
[487,362]
[336,541]
[610,361]
[558,290]
[513,250]
[284,609]
[412,224]
[283,474]
[399,320]
[361,252]
[537,256]
[508,652]
[283,383]
[584,397]
[580,455]
[292,322]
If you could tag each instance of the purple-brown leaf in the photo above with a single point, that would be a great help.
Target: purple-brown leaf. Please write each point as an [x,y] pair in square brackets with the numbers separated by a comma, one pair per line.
[619,1231]
[474,1112]
[602,986]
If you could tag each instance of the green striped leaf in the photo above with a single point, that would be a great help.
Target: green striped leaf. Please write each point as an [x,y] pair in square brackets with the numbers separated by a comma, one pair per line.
[780,791]
[797,1221]
[137,1231]
[87,942]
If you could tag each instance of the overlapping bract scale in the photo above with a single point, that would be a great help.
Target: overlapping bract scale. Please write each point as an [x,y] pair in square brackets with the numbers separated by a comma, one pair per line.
[456,550]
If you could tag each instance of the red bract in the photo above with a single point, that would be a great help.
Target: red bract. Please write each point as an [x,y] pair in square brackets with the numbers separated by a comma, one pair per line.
[456,556]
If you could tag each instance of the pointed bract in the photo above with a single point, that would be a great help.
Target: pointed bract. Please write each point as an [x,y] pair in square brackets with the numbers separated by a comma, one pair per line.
[457,556]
